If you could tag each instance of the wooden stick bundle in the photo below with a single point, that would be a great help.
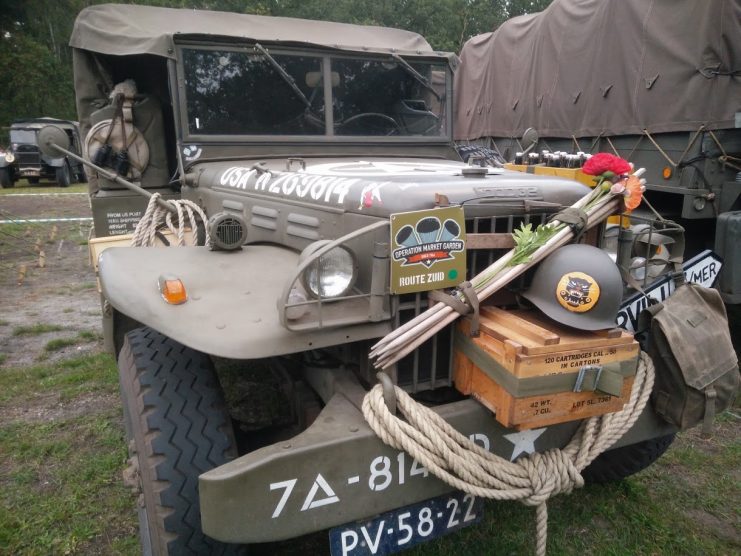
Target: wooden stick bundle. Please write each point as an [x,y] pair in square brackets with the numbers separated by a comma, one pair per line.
[414,333]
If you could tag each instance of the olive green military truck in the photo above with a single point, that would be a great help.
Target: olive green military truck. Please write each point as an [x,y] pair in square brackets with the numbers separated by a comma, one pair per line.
[656,83]
[244,362]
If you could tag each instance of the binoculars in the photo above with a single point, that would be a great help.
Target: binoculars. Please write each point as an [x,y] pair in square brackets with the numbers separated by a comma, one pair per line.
[117,160]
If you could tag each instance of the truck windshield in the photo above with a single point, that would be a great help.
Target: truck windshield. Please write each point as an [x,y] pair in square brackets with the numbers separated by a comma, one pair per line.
[259,93]
[23,136]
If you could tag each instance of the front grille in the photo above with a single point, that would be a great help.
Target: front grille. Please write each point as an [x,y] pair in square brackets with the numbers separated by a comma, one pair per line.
[27,155]
[430,365]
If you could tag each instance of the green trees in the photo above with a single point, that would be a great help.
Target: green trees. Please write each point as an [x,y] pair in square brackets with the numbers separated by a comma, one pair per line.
[36,67]
[35,62]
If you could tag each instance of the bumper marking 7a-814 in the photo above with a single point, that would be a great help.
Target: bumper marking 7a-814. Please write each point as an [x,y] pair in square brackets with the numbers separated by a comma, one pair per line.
[337,471]
[382,473]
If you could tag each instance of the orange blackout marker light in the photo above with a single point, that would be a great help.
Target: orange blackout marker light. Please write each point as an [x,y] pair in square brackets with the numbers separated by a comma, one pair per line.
[172,289]
[666,172]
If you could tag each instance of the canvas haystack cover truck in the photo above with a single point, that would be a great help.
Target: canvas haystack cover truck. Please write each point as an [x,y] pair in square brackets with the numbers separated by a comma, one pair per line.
[654,82]
[244,362]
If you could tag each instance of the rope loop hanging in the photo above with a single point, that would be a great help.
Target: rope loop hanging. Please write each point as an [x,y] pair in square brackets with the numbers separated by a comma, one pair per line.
[533,479]
[157,218]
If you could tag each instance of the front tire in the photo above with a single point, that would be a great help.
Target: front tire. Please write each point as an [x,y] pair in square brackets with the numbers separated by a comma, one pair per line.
[63,176]
[178,427]
[617,464]
[6,180]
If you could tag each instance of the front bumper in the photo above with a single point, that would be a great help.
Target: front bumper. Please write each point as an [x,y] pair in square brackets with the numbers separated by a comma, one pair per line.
[338,471]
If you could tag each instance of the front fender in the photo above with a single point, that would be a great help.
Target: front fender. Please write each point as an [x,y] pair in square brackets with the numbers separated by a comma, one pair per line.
[53,162]
[232,299]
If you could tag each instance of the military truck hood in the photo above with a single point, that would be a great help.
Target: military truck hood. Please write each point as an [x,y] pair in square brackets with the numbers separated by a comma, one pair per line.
[379,187]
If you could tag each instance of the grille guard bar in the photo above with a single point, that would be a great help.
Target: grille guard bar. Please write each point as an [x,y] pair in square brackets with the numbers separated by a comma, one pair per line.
[371,306]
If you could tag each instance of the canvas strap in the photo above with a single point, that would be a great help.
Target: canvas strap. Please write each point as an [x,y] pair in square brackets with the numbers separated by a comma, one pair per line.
[470,305]
[707,422]
[576,218]
[608,378]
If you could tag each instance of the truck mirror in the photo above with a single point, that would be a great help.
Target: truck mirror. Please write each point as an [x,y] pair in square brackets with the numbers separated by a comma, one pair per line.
[51,136]
[529,139]
[314,79]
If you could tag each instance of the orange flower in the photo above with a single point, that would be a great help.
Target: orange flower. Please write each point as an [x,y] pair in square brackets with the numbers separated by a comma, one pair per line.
[633,192]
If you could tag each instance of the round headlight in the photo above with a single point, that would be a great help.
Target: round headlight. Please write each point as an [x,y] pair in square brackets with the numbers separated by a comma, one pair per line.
[331,275]
[9,157]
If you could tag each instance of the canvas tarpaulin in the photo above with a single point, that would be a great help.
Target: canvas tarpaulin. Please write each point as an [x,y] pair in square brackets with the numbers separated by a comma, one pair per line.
[122,29]
[603,67]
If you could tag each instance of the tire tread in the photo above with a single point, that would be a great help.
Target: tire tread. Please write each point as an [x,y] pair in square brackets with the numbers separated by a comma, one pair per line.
[615,465]
[187,432]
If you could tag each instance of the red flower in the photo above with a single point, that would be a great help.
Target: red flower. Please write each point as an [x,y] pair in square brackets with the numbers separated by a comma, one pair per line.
[606,162]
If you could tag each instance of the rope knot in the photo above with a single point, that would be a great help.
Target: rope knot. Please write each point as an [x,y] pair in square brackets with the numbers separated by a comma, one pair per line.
[550,473]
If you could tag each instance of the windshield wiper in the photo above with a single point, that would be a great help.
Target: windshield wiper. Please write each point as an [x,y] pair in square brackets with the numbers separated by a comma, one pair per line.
[418,76]
[284,74]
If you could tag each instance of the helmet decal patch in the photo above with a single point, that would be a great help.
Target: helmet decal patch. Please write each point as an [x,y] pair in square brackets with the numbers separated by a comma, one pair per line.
[577,292]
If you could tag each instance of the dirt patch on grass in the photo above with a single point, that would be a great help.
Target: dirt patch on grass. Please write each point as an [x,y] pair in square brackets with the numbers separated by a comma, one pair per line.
[30,205]
[62,294]
[720,528]
[49,407]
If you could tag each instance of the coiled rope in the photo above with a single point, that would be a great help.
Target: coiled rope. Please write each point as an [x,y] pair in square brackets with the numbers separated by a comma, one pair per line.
[533,479]
[157,217]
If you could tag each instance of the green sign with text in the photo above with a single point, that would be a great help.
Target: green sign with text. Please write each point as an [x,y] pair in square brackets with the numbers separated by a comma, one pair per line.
[428,250]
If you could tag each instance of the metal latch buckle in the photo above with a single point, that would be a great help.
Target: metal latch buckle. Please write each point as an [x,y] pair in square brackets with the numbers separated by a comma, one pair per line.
[597,369]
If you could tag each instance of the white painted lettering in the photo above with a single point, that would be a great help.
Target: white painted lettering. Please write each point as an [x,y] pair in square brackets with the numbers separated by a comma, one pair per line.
[349,540]
[342,189]
[319,187]
[226,175]
[242,183]
[311,501]
[305,185]
[262,181]
[288,486]
[373,544]
[290,184]
[479,438]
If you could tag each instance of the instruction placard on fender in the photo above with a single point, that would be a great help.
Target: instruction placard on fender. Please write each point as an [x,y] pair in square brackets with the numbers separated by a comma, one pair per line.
[428,250]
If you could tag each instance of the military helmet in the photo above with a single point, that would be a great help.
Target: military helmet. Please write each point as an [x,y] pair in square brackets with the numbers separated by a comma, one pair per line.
[579,286]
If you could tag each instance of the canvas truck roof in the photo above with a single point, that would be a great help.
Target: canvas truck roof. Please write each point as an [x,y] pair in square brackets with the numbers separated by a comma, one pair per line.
[38,123]
[612,67]
[123,29]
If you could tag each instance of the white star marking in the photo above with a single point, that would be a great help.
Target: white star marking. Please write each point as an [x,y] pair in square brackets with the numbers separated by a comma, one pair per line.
[524,441]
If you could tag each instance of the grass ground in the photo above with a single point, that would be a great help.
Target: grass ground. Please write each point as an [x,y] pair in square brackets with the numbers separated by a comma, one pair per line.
[22,186]
[62,453]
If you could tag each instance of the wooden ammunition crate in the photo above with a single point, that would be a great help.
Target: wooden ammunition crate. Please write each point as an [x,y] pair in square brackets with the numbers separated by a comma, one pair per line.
[524,367]
[575,174]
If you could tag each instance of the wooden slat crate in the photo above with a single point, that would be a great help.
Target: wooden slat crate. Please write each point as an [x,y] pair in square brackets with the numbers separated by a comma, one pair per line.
[524,367]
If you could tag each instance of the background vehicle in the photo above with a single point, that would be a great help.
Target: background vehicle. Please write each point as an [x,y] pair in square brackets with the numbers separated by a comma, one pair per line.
[299,139]
[23,159]
[667,100]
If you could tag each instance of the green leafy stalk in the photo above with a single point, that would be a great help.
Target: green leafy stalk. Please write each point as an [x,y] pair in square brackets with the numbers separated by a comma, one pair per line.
[528,241]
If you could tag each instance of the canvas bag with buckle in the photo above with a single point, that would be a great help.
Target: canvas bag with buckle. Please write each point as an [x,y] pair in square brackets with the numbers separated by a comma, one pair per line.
[697,373]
